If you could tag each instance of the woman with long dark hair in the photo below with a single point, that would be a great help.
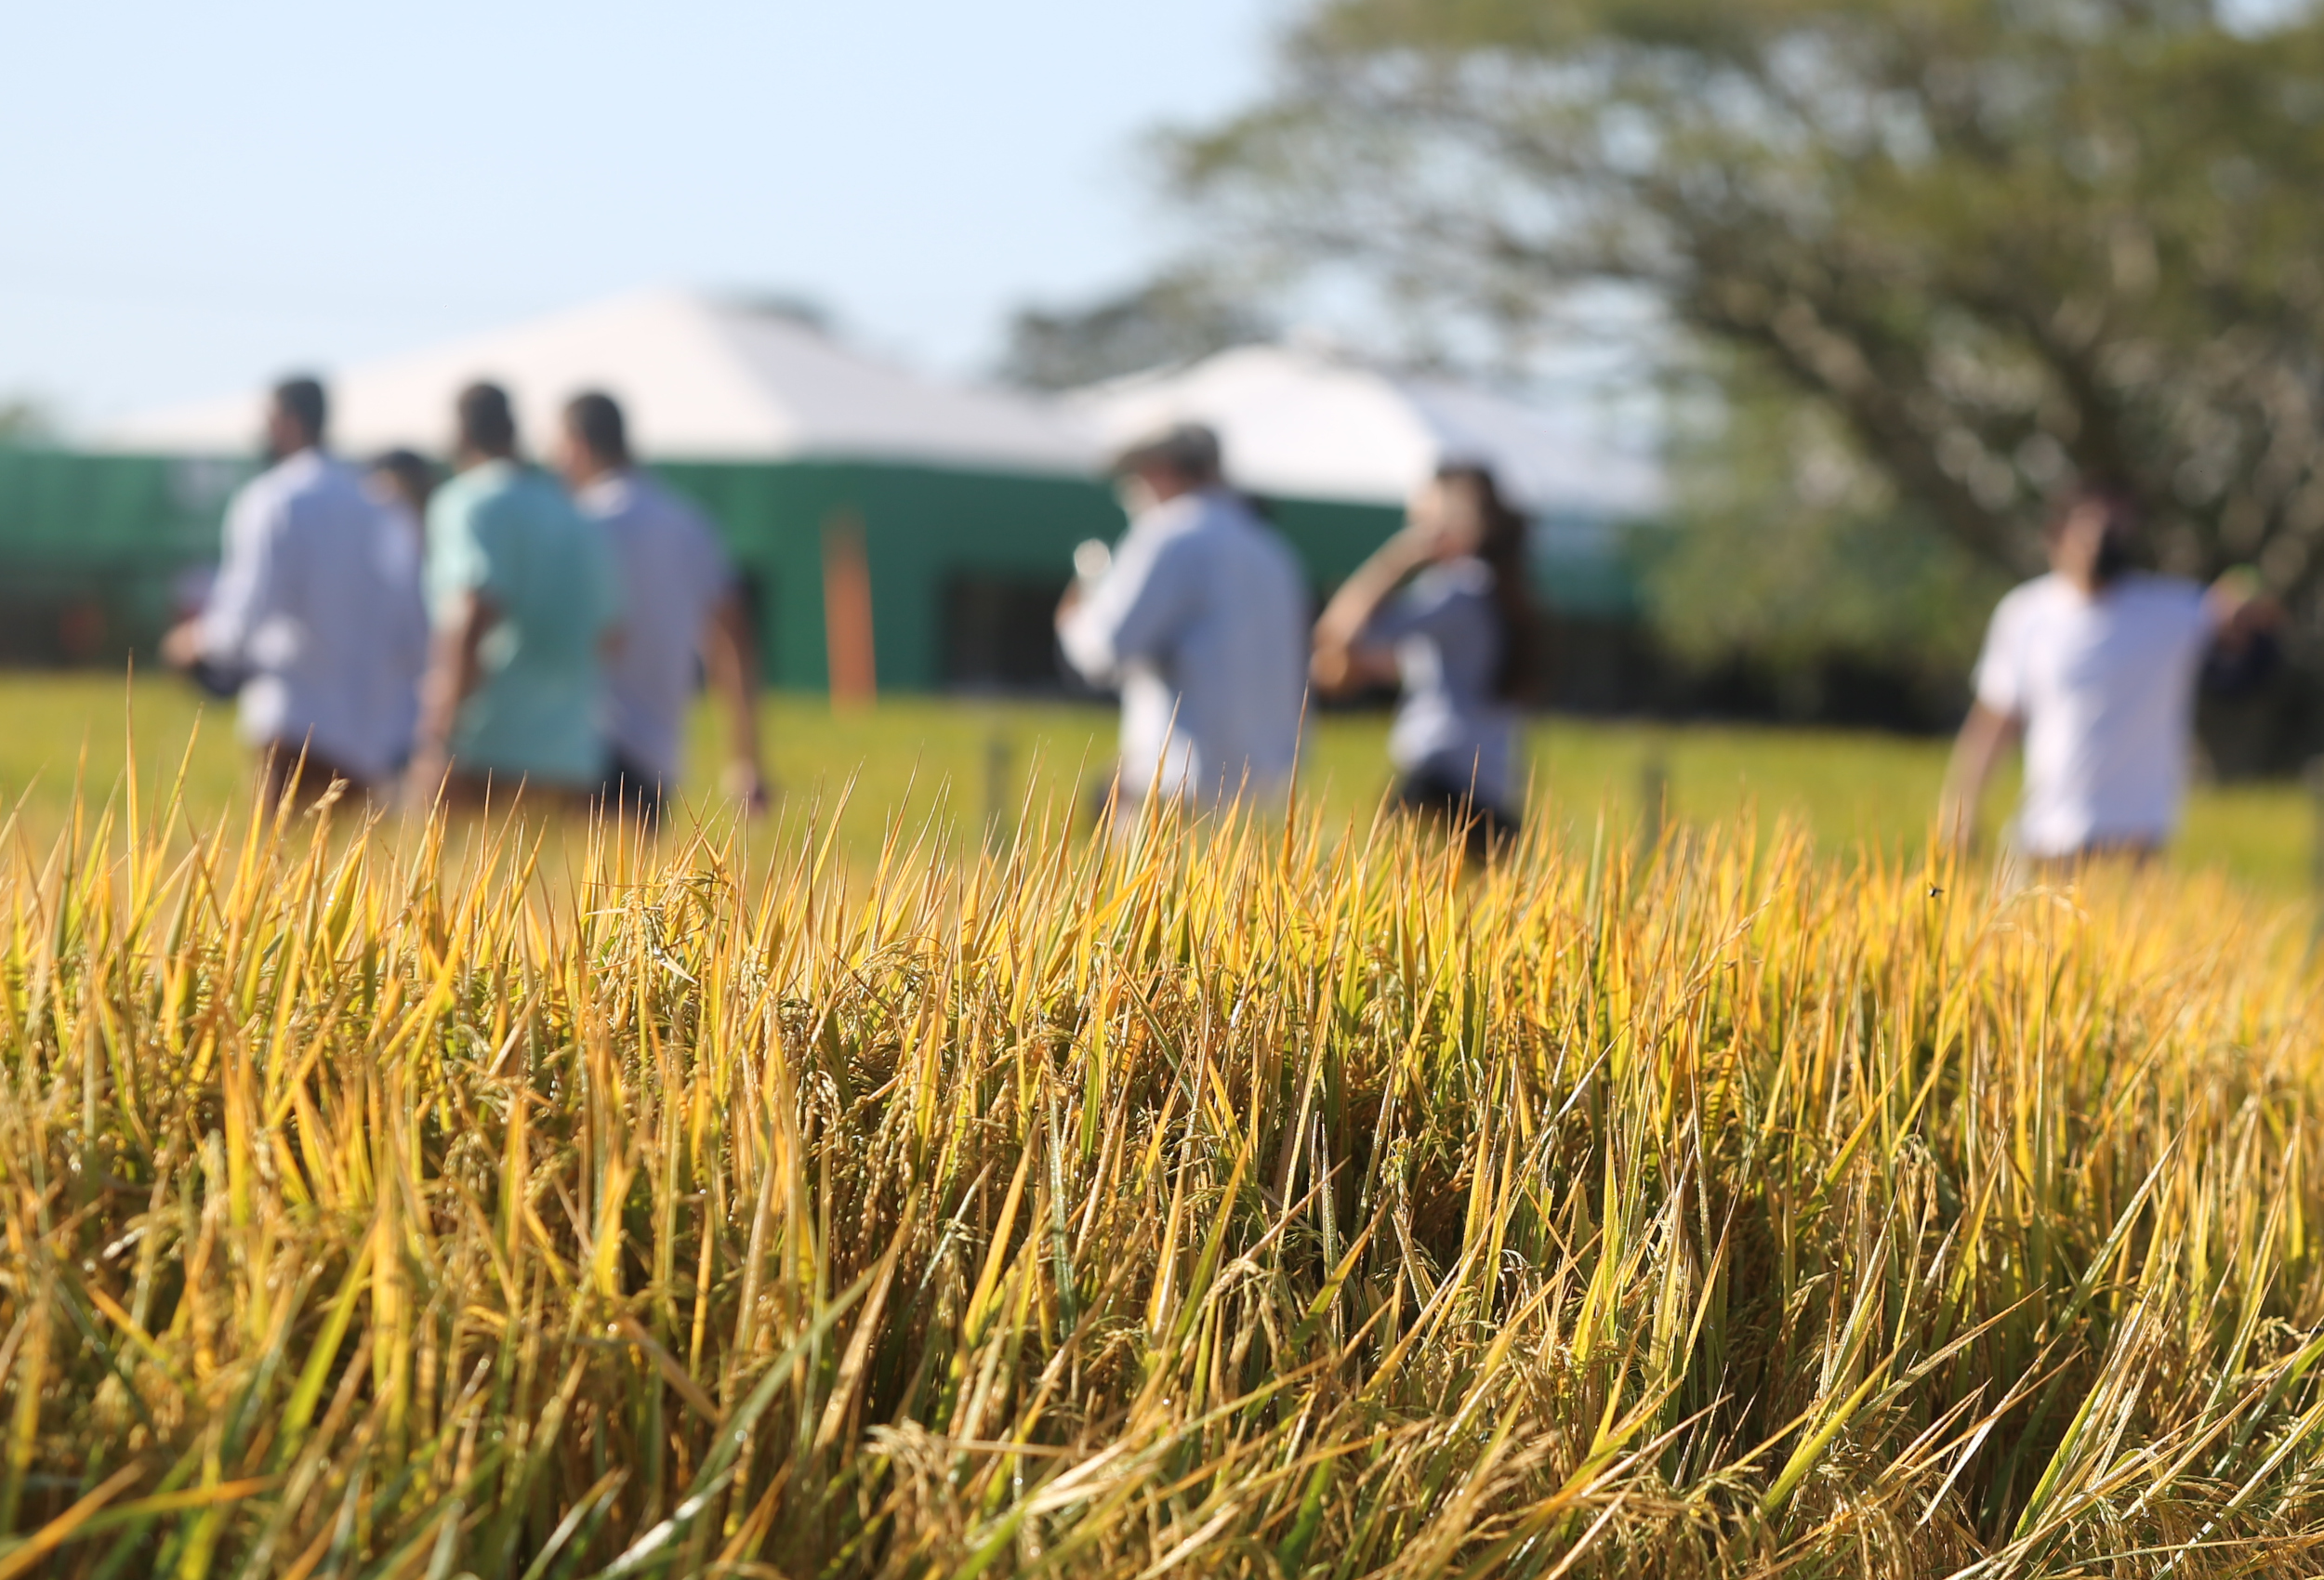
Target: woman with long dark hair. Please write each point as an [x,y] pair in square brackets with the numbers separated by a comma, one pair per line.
[1463,640]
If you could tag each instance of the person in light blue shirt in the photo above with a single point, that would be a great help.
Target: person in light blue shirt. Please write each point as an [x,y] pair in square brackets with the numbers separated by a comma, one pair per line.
[315,618]
[1460,636]
[1200,618]
[522,596]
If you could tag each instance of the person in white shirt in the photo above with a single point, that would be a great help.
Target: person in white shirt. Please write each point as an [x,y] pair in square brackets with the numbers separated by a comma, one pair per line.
[1201,619]
[314,614]
[682,608]
[2096,666]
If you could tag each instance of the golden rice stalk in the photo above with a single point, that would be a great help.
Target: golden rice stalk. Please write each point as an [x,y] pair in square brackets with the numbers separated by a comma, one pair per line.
[1248,1198]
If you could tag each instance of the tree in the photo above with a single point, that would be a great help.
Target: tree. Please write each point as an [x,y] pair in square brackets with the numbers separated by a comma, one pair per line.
[1786,554]
[1176,317]
[26,421]
[2003,244]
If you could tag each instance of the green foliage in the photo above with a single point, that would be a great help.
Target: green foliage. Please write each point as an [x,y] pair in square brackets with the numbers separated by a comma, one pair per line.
[1177,316]
[2003,244]
[26,421]
[1788,551]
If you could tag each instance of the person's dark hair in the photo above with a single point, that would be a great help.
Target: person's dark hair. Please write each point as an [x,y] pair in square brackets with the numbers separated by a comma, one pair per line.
[2116,555]
[1502,546]
[410,473]
[302,400]
[1191,450]
[487,426]
[594,419]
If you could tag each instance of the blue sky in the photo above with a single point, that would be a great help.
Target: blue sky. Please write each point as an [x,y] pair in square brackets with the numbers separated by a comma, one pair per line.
[198,197]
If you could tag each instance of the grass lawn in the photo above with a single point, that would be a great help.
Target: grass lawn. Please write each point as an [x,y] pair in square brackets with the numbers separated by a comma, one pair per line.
[947,757]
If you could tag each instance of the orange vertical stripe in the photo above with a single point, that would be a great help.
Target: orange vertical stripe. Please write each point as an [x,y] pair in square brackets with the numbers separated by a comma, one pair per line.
[847,611]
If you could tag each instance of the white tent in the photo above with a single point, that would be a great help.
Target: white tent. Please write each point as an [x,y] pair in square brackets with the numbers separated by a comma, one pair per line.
[701,379]
[1307,424]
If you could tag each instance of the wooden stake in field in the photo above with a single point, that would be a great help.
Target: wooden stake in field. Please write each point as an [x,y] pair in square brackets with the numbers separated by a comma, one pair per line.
[847,611]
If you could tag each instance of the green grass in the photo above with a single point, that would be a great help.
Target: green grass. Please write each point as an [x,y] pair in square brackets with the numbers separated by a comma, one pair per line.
[924,755]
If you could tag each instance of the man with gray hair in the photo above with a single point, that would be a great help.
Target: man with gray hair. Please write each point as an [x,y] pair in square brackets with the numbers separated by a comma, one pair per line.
[1201,619]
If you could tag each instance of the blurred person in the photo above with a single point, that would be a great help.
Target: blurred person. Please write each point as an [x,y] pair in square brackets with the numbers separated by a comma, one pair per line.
[314,620]
[680,607]
[522,596]
[1201,616]
[402,482]
[2097,665]
[1443,607]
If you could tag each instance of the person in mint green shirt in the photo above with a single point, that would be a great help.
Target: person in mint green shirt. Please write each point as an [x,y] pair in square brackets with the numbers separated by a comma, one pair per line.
[521,595]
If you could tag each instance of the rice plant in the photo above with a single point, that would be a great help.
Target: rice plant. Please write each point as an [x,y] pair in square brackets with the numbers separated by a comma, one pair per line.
[1240,1198]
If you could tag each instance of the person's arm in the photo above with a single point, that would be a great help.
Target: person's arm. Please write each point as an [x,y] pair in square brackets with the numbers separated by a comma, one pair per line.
[246,591]
[729,659]
[1986,735]
[1133,614]
[181,644]
[2240,610]
[454,668]
[1340,662]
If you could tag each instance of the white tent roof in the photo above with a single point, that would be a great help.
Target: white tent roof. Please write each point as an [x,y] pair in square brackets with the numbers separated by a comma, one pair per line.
[699,380]
[1308,424]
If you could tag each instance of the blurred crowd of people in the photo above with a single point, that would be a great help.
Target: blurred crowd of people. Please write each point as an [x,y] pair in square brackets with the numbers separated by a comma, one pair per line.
[1200,618]
[516,626]
[508,628]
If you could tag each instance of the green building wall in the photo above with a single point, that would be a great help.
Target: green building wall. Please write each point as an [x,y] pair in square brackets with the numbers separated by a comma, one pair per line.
[924,526]
[91,547]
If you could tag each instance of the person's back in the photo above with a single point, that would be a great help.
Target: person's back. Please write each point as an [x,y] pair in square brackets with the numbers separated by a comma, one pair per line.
[1239,667]
[2105,683]
[316,609]
[1442,607]
[1204,621]
[401,483]
[1452,728]
[2097,665]
[507,533]
[673,572]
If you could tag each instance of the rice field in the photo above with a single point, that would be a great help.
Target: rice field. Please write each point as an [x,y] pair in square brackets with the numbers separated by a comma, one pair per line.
[1267,1197]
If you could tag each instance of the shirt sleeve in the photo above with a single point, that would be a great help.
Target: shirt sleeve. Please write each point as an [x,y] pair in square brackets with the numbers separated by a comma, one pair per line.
[1425,608]
[249,586]
[2001,678]
[2203,615]
[1134,614]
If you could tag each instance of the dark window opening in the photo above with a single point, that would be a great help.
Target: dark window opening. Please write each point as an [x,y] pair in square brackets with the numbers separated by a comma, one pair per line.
[1000,633]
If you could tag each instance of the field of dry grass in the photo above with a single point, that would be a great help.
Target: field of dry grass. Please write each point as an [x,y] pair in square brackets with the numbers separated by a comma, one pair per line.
[1256,1200]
